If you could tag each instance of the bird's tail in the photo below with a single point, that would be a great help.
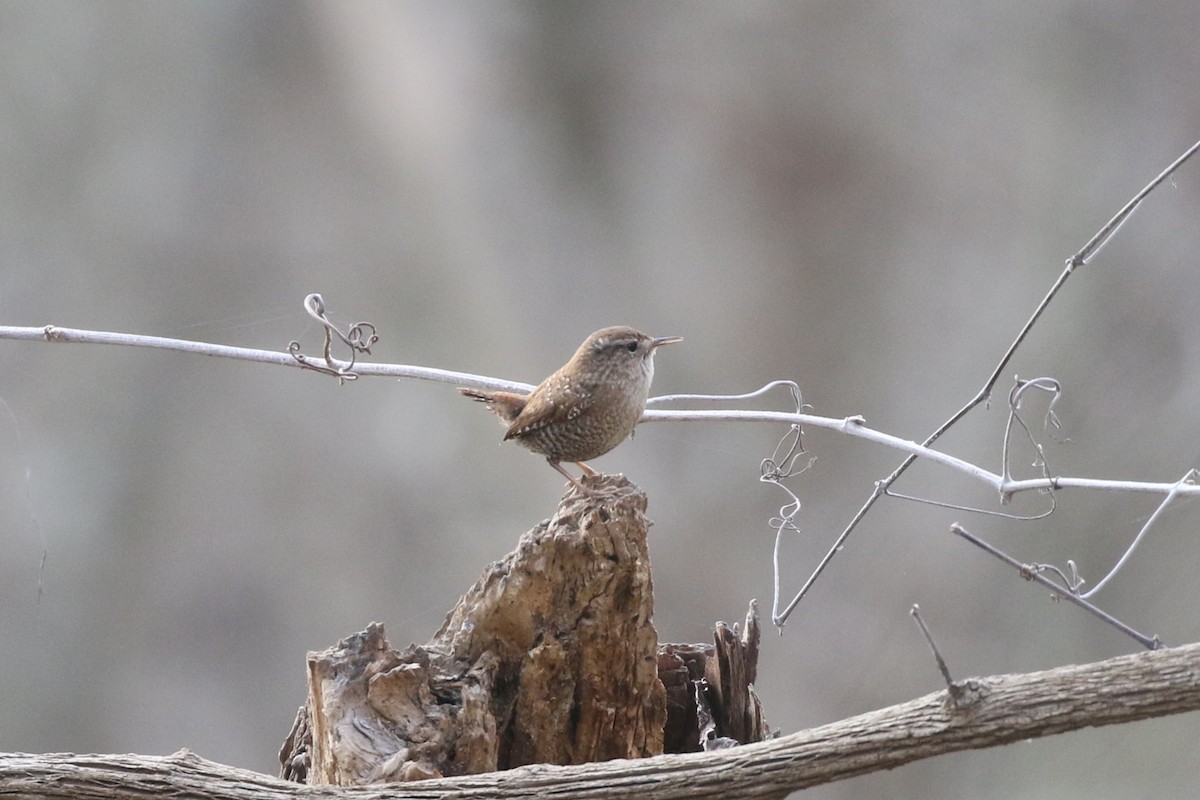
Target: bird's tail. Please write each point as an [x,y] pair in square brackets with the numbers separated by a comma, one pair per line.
[475,394]
[507,405]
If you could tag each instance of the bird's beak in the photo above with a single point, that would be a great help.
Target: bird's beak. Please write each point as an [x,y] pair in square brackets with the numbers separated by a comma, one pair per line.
[660,341]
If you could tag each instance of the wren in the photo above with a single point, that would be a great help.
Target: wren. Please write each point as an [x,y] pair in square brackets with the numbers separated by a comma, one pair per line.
[586,408]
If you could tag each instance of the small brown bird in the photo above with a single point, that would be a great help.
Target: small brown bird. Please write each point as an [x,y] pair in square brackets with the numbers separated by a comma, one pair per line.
[589,406]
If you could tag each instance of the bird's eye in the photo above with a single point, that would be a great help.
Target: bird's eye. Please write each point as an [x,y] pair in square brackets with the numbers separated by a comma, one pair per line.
[632,347]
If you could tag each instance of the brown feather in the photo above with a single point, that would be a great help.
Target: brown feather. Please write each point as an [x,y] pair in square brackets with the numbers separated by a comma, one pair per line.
[506,405]
[557,399]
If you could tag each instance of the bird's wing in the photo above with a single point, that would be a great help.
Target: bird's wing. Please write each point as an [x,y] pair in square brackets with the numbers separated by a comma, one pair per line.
[557,400]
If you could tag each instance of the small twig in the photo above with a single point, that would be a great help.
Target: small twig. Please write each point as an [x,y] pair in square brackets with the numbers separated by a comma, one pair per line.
[1080,258]
[1011,708]
[1187,480]
[58,335]
[987,512]
[792,386]
[941,662]
[1016,395]
[1034,574]
[851,426]
[1097,242]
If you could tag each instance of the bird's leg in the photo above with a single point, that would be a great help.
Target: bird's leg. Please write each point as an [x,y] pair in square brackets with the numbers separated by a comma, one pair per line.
[586,469]
[571,477]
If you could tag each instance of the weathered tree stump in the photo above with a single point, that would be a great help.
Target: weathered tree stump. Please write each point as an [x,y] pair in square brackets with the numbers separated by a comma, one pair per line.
[711,702]
[550,658]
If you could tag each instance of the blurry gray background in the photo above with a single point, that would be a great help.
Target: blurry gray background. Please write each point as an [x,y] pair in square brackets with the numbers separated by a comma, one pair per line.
[867,197]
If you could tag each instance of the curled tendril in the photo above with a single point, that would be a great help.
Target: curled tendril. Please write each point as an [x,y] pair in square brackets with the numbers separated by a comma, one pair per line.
[1071,580]
[1067,589]
[358,338]
[1050,424]
[775,468]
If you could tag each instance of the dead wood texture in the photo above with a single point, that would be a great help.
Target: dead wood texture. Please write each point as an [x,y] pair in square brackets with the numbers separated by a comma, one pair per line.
[711,702]
[991,711]
[550,658]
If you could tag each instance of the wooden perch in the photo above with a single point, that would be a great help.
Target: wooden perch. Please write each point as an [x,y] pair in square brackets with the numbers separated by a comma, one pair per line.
[552,655]
[550,658]
[997,710]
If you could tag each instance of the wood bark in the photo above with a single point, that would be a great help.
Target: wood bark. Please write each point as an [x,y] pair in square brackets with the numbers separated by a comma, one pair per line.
[987,712]
[711,702]
[550,658]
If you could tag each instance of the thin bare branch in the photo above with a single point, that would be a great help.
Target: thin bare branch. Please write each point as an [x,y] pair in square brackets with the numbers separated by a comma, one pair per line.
[53,333]
[1188,479]
[1078,259]
[987,512]
[851,426]
[792,386]
[937,654]
[995,710]
[1097,242]
[1033,573]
